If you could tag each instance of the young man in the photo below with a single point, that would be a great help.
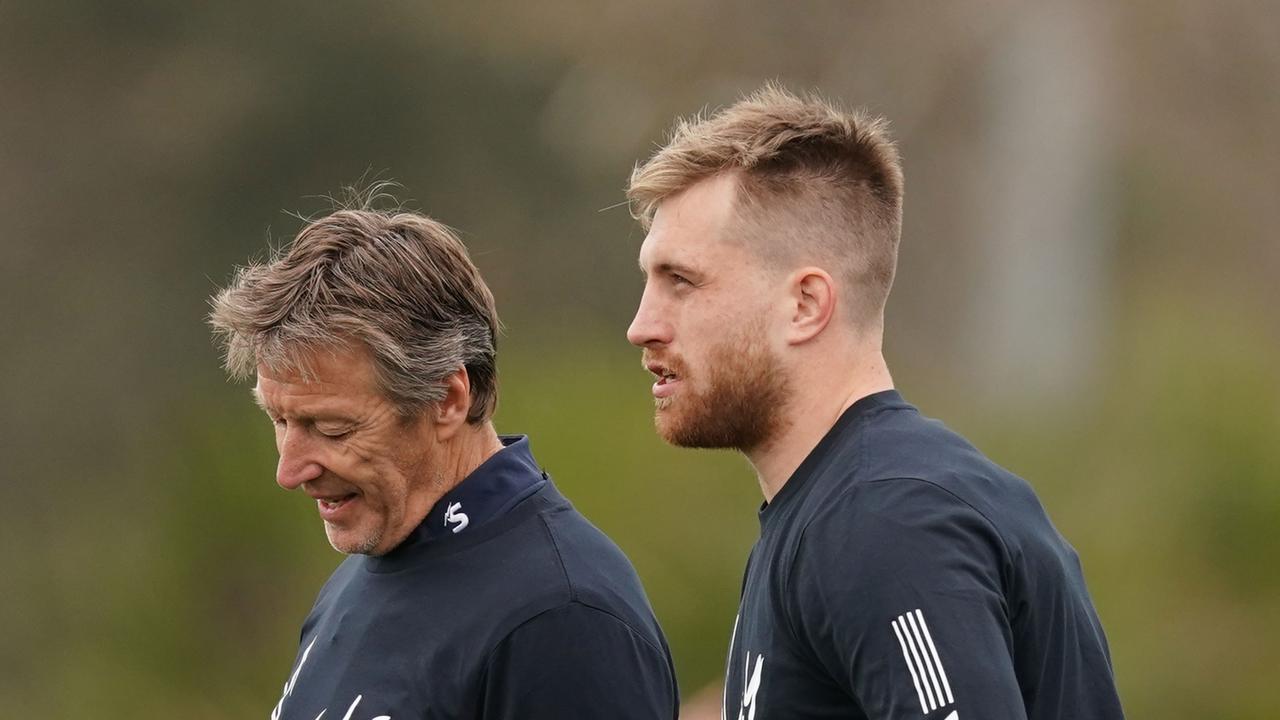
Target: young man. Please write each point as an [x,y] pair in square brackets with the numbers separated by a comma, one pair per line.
[899,573]
[474,589]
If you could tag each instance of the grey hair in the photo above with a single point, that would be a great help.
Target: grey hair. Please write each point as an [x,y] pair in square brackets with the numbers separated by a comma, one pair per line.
[398,283]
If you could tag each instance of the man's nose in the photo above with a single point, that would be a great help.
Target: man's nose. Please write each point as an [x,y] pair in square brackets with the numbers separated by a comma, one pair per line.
[297,462]
[649,326]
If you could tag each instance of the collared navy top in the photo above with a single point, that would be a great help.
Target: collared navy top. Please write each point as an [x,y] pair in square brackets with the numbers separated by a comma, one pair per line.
[901,575]
[504,603]
[499,484]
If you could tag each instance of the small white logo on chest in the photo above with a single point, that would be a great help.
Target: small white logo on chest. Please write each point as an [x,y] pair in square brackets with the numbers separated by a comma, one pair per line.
[453,515]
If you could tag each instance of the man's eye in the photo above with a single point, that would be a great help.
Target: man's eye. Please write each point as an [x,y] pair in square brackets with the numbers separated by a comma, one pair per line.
[334,433]
[680,279]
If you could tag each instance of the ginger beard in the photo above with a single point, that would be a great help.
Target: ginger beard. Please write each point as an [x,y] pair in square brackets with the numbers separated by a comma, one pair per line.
[738,401]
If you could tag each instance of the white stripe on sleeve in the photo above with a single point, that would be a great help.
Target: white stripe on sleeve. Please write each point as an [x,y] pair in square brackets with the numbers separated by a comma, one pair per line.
[928,659]
[907,658]
[915,655]
[937,660]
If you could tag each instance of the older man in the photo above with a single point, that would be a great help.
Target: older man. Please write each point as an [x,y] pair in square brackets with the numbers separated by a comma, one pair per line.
[899,573]
[474,589]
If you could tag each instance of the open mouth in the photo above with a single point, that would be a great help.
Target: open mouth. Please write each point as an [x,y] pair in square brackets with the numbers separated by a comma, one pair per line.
[667,380]
[332,503]
[334,507]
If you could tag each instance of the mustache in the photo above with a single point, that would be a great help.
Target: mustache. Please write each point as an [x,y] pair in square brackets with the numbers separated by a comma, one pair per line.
[671,363]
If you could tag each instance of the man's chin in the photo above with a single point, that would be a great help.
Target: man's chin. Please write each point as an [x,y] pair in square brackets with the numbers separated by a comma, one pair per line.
[668,426]
[349,542]
[682,432]
[744,430]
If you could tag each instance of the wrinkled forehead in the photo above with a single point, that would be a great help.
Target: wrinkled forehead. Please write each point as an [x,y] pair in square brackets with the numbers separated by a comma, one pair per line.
[345,368]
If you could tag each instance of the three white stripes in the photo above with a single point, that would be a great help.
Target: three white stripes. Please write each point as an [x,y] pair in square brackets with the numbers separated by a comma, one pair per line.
[923,661]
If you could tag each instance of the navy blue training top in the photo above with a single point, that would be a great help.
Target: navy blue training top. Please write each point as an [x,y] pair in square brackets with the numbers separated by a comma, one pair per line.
[899,575]
[504,603]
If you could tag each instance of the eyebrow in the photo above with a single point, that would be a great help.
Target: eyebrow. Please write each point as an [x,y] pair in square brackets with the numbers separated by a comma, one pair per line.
[666,268]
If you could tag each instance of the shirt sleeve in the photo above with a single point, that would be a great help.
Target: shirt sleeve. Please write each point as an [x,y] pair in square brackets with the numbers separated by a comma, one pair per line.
[899,589]
[578,661]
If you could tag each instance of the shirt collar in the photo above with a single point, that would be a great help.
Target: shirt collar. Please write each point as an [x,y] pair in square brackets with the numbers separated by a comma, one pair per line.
[507,477]
[849,422]
[489,492]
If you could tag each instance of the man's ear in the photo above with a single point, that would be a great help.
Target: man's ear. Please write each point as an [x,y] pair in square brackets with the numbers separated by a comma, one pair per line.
[812,303]
[450,413]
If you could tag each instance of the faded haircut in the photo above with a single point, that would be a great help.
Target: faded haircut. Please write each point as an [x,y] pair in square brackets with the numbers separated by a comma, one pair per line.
[815,184]
[397,283]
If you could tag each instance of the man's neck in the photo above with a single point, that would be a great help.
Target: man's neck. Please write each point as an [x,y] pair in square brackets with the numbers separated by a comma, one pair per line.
[458,458]
[465,452]
[809,418]
[470,449]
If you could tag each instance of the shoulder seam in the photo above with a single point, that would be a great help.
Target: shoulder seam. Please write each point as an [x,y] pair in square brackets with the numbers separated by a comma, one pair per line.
[853,487]
[991,523]
[573,591]
[567,604]
[564,571]
[630,628]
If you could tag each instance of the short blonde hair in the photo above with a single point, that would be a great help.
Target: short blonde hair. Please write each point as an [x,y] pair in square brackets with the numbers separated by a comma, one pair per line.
[815,183]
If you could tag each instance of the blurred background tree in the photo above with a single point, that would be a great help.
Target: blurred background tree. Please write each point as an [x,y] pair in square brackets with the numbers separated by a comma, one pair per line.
[1088,289]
